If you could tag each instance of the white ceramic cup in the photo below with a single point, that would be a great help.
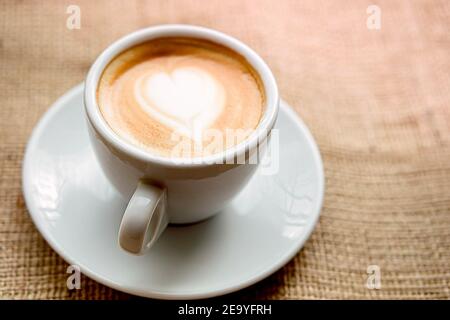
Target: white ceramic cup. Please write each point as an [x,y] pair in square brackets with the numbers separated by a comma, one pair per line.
[162,190]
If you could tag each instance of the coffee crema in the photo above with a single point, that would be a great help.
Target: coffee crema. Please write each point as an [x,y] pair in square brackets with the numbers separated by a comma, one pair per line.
[172,92]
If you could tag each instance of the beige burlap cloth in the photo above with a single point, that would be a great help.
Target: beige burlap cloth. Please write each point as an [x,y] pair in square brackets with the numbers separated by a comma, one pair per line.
[376,100]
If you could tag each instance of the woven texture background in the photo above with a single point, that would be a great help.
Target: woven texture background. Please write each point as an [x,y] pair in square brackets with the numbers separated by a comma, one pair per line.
[377,102]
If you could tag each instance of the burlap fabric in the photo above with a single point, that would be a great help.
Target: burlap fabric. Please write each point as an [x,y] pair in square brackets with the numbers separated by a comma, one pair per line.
[377,102]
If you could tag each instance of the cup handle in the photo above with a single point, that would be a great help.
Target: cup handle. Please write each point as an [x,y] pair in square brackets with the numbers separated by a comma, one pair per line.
[145,218]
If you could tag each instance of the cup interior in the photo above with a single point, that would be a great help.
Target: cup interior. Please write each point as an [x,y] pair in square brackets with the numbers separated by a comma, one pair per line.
[102,128]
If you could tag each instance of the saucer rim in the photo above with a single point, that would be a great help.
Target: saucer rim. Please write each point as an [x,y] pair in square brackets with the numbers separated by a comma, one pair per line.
[33,212]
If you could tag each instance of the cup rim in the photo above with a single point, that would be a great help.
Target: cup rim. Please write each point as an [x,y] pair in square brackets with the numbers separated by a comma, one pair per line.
[176,30]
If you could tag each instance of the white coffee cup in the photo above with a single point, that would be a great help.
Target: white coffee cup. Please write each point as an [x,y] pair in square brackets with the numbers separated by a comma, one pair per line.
[162,190]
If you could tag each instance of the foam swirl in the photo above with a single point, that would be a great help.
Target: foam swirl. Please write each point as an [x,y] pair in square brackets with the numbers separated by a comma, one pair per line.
[179,85]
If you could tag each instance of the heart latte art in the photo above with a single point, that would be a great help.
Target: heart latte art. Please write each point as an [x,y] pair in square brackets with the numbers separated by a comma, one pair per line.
[187,99]
[177,90]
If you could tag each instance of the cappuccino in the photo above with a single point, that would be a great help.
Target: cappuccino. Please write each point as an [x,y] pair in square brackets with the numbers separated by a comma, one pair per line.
[168,91]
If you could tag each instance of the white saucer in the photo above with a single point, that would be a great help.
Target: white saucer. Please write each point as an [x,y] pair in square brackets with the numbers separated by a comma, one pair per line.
[78,212]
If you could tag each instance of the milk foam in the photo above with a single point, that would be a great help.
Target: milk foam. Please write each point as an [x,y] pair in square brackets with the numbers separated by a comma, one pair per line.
[179,85]
[187,99]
